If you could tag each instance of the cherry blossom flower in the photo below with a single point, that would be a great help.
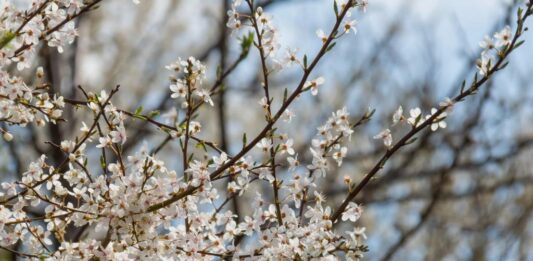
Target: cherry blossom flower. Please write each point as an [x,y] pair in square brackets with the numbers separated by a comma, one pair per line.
[264,145]
[414,117]
[293,162]
[321,35]
[350,25]
[484,64]
[363,4]
[291,58]
[264,103]
[447,103]
[397,116]
[178,90]
[487,44]
[204,95]
[287,147]
[313,85]
[503,37]
[288,115]
[386,136]
[119,135]
[104,142]
[339,155]
[439,121]
[319,163]
[353,212]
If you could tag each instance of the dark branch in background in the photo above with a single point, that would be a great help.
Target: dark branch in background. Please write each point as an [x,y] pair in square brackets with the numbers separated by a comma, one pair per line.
[222,119]
[164,101]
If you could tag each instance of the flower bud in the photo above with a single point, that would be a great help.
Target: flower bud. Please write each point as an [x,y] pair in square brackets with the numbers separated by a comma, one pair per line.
[40,122]
[347,180]
[40,72]
[8,136]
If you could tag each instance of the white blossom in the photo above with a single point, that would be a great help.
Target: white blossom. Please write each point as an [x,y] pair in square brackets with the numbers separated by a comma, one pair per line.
[313,85]
[386,136]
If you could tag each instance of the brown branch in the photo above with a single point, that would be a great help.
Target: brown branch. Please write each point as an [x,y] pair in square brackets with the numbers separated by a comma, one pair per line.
[463,94]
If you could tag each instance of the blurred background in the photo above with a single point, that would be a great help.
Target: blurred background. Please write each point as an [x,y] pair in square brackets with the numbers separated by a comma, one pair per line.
[462,193]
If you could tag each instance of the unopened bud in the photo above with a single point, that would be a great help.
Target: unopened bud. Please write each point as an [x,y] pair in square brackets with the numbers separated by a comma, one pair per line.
[40,72]
[347,180]
[8,136]
[40,122]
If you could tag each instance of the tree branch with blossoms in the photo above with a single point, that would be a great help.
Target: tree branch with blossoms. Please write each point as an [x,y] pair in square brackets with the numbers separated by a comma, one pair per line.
[435,120]
[136,207]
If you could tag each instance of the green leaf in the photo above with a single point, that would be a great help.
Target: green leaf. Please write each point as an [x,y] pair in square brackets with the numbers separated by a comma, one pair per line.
[219,72]
[305,61]
[201,145]
[153,114]
[246,43]
[370,113]
[244,140]
[331,46]
[503,65]
[102,162]
[518,44]
[5,38]
[139,110]
[410,141]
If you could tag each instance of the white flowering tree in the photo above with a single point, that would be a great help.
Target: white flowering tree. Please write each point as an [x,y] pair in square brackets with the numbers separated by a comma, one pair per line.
[96,193]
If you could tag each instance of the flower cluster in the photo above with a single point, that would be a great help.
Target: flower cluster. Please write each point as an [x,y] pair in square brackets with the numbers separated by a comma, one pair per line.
[491,46]
[20,33]
[328,141]
[193,72]
[135,206]
[416,119]
[260,24]
[21,104]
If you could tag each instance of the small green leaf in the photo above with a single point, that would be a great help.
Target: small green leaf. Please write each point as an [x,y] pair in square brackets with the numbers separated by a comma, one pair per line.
[503,65]
[246,43]
[102,162]
[219,72]
[201,145]
[139,110]
[410,141]
[153,114]
[370,113]
[518,44]
[244,140]
[331,46]
[5,38]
